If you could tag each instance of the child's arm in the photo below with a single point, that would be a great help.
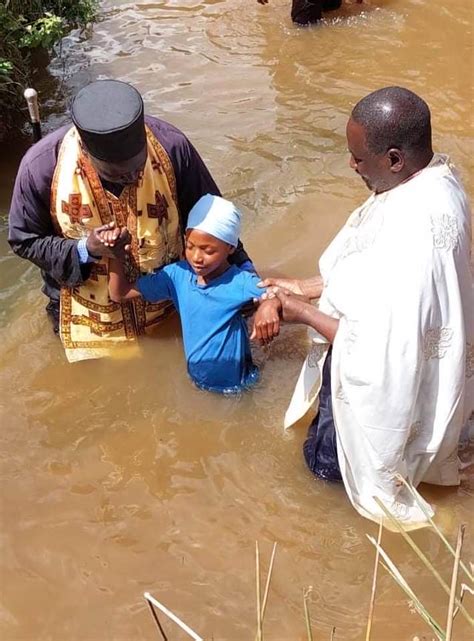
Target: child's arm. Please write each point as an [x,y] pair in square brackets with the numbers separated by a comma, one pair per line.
[266,324]
[119,287]
[152,287]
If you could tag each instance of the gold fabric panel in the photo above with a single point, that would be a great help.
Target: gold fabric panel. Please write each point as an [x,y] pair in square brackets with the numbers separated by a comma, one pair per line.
[91,325]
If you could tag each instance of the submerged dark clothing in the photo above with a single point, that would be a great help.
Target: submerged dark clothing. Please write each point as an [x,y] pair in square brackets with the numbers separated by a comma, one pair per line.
[31,232]
[310,11]
[320,449]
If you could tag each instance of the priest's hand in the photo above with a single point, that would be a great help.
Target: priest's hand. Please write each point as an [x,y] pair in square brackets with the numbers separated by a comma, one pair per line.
[109,241]
[95,245]
[109,235]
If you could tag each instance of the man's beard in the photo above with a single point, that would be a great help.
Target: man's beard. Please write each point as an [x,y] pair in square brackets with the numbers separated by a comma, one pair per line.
[367,182]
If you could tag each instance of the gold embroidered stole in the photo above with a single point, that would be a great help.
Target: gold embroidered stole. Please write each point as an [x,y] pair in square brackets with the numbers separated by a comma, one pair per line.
[91,325]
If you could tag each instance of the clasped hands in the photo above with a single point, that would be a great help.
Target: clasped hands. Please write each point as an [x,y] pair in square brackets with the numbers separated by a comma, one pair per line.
[288,301]
[109,241]
[283,300]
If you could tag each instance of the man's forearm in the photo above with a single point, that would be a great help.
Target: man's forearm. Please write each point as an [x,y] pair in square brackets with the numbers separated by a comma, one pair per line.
[322,323]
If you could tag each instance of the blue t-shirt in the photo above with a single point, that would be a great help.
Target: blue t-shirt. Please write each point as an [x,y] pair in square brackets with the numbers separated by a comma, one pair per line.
[215,336]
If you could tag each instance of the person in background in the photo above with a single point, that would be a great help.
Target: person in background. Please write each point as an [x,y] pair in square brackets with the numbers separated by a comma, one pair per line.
[305,12]
[208,293]
[392,355]
[112,164]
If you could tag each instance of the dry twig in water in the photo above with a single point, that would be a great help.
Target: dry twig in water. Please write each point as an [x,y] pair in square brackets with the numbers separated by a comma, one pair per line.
[262,605]
[448,545]
[269,578]
[418,605]
[259,607]
[374,585]
[172,616]
[156,620]
[306,594]
[426,562]
[454,580]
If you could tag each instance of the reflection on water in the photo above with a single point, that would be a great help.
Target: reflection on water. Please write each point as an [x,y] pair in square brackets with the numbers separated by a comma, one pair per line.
[119,477]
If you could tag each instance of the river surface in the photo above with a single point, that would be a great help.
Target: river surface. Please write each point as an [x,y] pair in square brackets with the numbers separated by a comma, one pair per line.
[117,476]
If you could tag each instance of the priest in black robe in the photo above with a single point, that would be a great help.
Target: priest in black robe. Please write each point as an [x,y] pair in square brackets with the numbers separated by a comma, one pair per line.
[109,119]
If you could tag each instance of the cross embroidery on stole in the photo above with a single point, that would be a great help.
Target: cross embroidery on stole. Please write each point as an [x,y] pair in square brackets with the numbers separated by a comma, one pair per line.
[156,166]
[75,209]
[159,209]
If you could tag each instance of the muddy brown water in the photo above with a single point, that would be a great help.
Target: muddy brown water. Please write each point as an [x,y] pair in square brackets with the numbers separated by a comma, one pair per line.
[117,476]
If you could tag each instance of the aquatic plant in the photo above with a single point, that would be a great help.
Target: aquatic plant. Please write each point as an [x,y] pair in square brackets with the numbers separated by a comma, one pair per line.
[26,27]
[455,604]
[441,632]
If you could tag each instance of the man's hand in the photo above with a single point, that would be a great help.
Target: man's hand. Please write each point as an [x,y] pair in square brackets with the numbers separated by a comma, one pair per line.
[308,287]
[294,308]
[109,236]
[109,241]
[266,324]
[95,245]
[289,284]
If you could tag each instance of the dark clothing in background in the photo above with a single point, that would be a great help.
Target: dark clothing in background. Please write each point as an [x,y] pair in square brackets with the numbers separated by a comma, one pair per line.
[310,11]
[320,449]
[31,232]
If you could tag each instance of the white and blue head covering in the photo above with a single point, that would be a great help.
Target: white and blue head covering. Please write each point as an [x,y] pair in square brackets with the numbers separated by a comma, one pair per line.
[216,216]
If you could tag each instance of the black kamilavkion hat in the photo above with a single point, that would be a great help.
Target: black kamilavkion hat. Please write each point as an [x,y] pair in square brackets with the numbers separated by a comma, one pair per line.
[109,116]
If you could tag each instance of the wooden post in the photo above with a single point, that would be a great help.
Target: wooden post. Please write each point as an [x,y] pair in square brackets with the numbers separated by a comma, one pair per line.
[31,97]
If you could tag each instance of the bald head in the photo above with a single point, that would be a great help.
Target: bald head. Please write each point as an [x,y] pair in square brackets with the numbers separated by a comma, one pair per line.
[397,118]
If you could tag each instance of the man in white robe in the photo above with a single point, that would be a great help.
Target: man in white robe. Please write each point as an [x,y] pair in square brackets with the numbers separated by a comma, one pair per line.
[397,305]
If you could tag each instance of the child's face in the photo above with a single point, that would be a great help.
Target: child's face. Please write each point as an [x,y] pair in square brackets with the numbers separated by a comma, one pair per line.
[206,254]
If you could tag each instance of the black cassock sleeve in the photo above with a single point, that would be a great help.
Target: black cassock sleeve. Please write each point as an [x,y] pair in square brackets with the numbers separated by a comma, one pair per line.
[31,233]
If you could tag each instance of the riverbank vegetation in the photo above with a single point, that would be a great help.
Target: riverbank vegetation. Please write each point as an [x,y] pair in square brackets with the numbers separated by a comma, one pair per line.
[27,28]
